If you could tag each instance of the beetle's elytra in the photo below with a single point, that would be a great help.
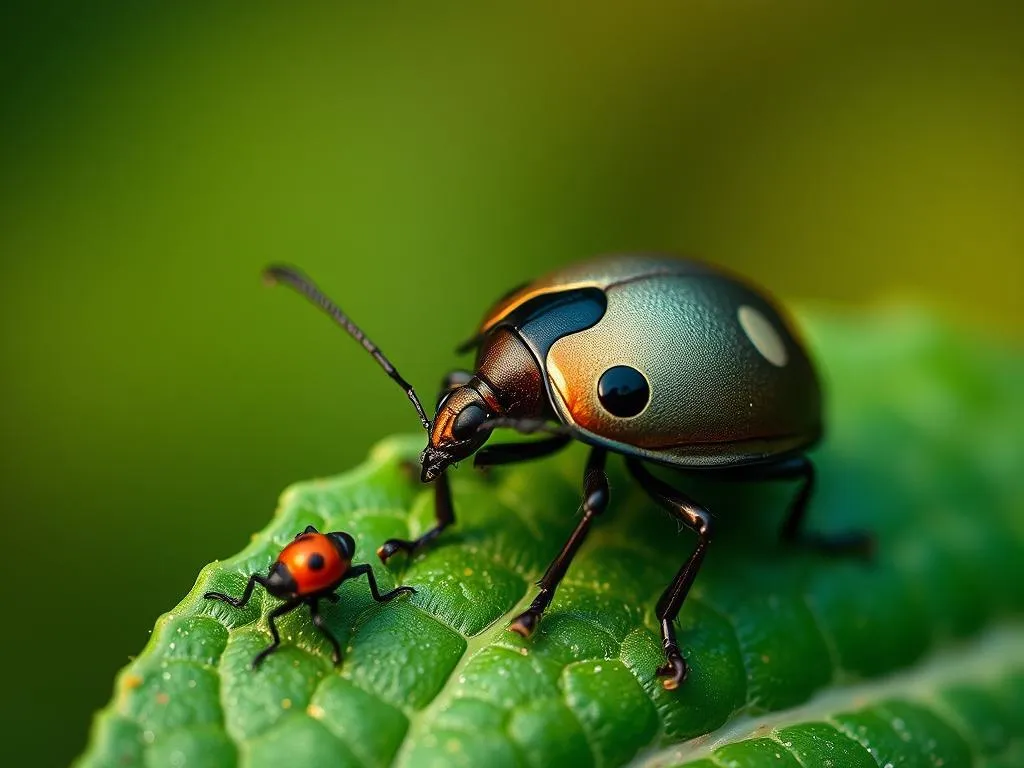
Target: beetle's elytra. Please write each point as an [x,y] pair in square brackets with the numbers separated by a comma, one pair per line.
[659,359]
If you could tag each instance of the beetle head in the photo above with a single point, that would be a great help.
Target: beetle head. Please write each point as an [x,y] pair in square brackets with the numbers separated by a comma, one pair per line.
[457,432]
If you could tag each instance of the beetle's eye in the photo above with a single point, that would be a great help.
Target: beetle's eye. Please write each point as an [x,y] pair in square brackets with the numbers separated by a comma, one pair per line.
[623,391]
[468,422]
[315,562]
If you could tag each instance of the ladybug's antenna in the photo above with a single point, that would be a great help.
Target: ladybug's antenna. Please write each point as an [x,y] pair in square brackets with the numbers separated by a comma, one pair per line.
[292,277]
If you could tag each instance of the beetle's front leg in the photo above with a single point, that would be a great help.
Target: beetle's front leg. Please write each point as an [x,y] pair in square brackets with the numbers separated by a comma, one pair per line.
[444,513]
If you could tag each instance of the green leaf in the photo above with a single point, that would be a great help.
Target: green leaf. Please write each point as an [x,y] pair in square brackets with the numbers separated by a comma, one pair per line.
[797,659]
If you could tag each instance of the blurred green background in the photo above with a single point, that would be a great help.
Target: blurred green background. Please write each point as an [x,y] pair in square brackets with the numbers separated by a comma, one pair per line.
[418,162]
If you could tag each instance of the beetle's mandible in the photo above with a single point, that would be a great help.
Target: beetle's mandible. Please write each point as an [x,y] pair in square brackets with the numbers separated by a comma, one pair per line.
[659,359]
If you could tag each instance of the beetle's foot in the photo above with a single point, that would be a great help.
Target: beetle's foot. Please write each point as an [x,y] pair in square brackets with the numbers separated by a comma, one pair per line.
[391,546]
[674,670]
[337,658]
[524,624]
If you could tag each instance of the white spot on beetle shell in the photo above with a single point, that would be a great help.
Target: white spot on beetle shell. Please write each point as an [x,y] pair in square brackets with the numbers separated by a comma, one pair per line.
[763,336]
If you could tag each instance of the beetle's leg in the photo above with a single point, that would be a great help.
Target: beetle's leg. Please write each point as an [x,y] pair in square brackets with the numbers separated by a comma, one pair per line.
[309,529]
[239,602]
[318,620]
[365,568]
[595,501]
[511,453]
[800,468]
[698,519]
[444,515]
[277,613]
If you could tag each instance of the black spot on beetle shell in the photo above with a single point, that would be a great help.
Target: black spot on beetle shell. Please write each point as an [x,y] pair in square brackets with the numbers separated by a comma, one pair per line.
[623,391]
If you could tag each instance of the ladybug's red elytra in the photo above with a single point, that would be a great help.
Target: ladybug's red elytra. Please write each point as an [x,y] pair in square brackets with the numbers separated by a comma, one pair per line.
[308,570]
[661,360]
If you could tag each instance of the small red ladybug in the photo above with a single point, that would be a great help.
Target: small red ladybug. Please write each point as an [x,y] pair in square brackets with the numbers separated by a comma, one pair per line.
[308,570]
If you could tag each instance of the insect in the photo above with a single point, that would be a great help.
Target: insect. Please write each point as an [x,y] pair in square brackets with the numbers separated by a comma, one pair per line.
[661,360]
[307,571]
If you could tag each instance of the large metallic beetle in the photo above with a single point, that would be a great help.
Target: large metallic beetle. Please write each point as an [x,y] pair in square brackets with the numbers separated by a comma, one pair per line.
[660,359]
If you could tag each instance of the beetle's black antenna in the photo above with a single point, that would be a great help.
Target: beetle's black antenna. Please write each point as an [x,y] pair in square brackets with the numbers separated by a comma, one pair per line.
[292,277]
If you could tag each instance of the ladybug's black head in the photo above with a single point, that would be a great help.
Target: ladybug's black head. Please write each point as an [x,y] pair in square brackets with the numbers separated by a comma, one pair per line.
[344,543]
[458,431]
[280,582]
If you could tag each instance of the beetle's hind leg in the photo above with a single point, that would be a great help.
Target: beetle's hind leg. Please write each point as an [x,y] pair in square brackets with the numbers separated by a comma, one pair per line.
[698,519]
[800,468]
[595,501]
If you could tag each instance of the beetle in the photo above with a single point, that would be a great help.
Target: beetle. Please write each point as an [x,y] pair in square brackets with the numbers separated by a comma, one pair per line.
[309,569]
[663,360]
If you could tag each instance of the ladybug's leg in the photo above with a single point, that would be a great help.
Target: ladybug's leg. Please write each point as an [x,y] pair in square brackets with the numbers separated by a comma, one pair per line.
[695,517]
[318,620]
[801,468]
[359,570]
[238,602]
[277,613]
[444,515]
[511,453]
[595,501]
